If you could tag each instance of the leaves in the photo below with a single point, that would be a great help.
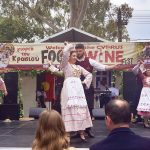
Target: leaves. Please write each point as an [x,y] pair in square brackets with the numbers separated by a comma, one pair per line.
[26,21]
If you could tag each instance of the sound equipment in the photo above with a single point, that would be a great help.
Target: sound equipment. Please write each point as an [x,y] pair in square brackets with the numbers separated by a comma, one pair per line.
[11,81]
[35,112]
[103,96]
[98,112]
[98,92]
[9,111]
[129,86]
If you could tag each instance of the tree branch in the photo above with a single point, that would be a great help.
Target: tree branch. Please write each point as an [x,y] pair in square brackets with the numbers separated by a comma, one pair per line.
[82,13]
[73,12]
[49,23]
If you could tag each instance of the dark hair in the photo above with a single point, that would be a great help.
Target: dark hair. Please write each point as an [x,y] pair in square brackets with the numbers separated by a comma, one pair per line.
[79,46]
[73,51]
[119,111]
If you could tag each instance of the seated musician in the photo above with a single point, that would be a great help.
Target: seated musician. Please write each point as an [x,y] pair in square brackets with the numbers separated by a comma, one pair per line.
[105,93]
[114,91]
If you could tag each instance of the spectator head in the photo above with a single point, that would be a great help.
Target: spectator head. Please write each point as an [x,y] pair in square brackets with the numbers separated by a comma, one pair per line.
[80,50]
[118,114]
[50,133]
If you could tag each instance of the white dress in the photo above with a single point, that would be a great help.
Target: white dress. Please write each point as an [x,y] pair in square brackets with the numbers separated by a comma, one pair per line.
[75,112]
[2,84]
[144,102]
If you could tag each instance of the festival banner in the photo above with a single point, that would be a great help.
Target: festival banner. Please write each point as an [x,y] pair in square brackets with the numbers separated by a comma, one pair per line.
[30,56]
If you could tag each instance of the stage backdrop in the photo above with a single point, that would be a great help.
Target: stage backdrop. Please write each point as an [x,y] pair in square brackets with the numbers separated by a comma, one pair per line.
[34,55]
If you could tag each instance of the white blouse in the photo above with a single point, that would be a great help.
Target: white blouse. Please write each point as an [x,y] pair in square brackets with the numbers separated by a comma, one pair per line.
[72,70]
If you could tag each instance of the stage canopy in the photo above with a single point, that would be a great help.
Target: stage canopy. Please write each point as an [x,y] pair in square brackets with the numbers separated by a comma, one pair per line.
[73,35]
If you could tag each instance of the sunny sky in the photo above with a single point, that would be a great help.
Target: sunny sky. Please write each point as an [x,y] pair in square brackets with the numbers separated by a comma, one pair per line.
[139,24]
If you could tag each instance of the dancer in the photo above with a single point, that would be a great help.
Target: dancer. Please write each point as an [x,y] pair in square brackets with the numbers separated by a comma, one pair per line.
[143,107]
[89,64]
[75,112]
[50,133]
[3,87]
[139,85]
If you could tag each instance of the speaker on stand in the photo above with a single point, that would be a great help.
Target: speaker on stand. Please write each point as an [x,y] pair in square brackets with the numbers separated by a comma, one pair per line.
[10,108]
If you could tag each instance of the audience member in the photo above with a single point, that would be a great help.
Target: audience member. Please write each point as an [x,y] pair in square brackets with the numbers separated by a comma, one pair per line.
[118,118]
[50,133]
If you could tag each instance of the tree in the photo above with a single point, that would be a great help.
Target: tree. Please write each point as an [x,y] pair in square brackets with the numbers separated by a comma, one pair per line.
[16,30]
[43,17]
[101,20]
[77,12]
[39,18]
[124,12]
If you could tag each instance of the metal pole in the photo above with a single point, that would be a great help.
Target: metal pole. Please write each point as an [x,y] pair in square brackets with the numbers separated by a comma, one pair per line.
[119,24]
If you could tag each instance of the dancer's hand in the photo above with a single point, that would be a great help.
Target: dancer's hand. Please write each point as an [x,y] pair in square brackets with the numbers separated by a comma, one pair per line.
[50,63]
[83,84]
[5,93]
[47,64]
[140,62]
[66,43]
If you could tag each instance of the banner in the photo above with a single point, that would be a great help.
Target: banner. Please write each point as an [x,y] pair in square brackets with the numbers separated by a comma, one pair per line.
[33,55]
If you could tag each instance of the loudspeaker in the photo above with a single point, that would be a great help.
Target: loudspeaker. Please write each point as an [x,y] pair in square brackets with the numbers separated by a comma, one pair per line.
[11,81]
[98,112]
[35,112]
[9,111]
[129,86]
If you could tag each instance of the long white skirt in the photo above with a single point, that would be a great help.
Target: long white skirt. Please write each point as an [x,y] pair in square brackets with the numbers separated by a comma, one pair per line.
[75,112]
[144,102]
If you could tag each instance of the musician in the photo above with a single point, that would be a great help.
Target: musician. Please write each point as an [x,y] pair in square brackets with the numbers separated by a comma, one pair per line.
[114,91]
[103,85]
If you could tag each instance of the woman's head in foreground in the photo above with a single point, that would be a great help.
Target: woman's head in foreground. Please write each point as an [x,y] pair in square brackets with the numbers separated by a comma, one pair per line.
[50,133]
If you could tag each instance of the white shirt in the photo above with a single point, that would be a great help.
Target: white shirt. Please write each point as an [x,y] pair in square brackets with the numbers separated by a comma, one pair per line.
[96,65]
[102,87]
[137,68]
[114,91]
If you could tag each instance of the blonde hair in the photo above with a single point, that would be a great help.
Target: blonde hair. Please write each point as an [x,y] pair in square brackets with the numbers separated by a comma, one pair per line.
[50,133]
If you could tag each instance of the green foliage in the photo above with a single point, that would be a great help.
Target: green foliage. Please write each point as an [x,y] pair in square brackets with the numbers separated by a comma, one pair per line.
[16,30]
[101,20]
[27,21]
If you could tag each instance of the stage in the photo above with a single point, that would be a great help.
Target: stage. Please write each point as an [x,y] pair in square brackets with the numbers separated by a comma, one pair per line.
[19,134]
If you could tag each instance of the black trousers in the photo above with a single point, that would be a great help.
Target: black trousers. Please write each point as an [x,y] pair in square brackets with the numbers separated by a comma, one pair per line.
[104,99]
[42,103]
[135,101]
[89,94]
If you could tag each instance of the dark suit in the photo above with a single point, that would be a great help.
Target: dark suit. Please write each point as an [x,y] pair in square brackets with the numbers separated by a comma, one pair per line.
[122,139]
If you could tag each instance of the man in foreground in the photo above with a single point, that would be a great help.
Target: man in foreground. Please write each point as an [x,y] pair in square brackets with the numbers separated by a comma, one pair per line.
[118,118]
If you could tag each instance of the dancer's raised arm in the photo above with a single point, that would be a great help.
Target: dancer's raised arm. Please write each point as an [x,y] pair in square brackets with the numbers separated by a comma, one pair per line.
[65,55]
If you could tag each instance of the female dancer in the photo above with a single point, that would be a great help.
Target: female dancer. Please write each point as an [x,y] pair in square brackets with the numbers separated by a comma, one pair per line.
[75,112]
[143,107]
[3,87]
